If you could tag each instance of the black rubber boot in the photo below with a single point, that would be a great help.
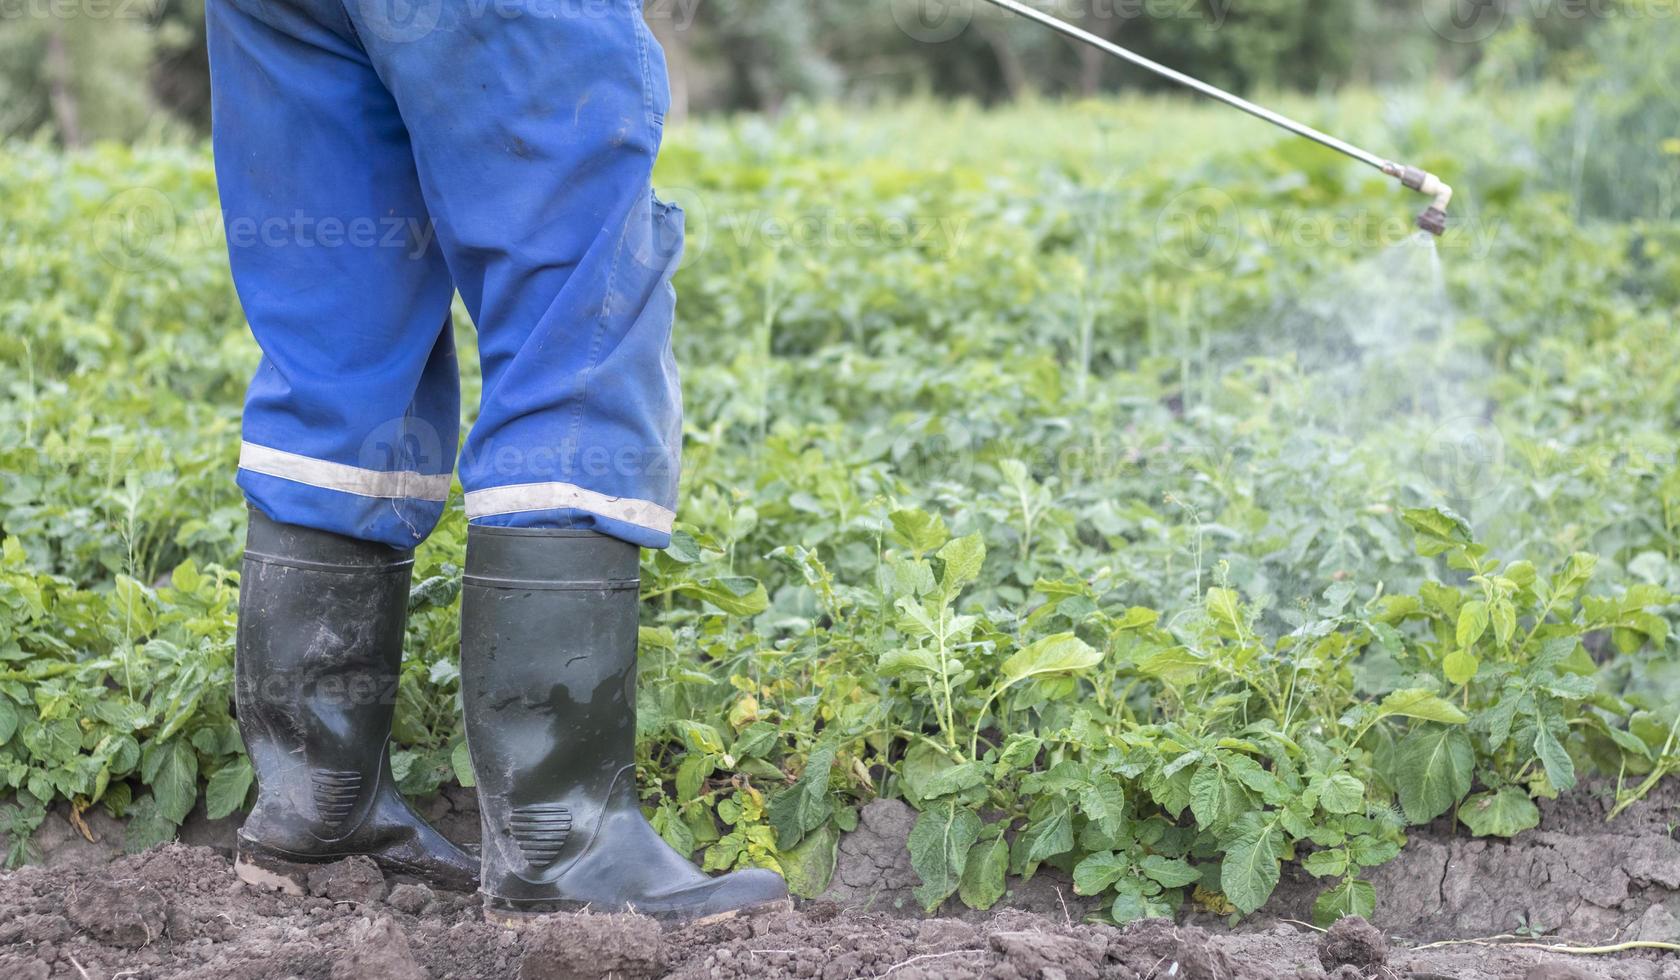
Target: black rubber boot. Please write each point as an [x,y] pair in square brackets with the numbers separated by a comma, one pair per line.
[321,620]
[548,679]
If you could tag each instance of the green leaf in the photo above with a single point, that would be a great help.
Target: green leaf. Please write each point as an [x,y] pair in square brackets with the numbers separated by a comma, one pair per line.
[1169,872]
[225,791]
[1225,606]
[1047,836]
[1506,813]
[683,549]
[147,826]
[1326,864]
[1369,852]
[1422,704]
[1577,572]
[692,773]
[1059,654]
[735,595]
[1020,750]
[1433,770]
[1211,796]
[901,663]
[1437,528]
[1560,769]
[921,532]
[923,773]
[8,715]
[1253,865]
[1178,666]
[1341,793]
[1460,666]
[186,576]
[135,606]
[1103,801]
[460,760]
[699,736]
[983,878]
[952,780]
[1472,622]
[1096,872]
[171,769]
[809,867]
[668,821]
[963,559]
[55,742]
[1352,897]
[939,846]
[1504,618]
[1131,904]
[806,805]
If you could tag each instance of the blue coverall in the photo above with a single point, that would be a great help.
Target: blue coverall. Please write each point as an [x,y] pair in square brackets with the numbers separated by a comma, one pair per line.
[376,156]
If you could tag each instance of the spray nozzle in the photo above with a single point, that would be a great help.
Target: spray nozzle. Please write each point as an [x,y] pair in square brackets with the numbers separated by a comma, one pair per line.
[1434,218]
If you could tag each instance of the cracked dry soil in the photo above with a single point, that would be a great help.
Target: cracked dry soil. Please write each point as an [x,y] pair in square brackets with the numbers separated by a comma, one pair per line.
[178,911]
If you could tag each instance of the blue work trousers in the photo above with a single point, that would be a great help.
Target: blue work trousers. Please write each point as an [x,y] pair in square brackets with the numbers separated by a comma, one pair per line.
[374,157]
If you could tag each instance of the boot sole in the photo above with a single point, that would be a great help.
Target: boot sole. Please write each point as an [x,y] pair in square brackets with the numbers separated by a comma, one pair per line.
[267,870]
[520,919]
[271,874]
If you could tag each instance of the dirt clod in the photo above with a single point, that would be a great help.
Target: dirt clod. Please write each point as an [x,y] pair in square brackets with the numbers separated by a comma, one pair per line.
[412,899]
[1182,951]
[1353,942]
[118,913]
[378,950]
[354,879]
[593,947]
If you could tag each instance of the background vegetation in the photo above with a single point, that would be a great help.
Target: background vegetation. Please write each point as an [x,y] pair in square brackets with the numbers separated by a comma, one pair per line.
[1140,498]
[77,71]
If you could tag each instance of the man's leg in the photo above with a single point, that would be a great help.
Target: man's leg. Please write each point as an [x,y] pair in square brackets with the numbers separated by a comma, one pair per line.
[351,420]
[350,431]
[535,128]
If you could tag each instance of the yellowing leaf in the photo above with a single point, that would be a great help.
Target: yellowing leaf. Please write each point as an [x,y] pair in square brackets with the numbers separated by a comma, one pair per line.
[1460,666]
[1422,704]
[1059,654]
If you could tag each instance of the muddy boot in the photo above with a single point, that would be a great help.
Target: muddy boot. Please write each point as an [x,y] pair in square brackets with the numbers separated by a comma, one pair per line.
[321,621]
[548,678]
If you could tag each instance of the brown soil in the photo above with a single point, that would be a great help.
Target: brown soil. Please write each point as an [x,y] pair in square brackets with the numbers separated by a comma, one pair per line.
[177,911]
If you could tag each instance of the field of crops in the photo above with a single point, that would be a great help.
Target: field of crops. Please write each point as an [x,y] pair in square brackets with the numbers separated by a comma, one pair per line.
[1120,485]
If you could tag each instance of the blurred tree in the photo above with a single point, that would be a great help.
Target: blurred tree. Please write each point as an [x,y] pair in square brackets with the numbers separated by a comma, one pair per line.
[74,77]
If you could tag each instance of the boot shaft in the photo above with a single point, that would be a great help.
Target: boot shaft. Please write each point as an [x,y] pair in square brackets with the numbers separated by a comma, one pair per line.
[319,645]
[548,635]
[548,683]
[548,680]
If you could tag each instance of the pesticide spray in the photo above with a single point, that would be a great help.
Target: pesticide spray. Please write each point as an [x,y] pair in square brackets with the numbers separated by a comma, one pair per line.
[1433,220]
[1374,359]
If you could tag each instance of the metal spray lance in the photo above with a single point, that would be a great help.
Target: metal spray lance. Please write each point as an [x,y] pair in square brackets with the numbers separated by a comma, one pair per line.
[1432,220]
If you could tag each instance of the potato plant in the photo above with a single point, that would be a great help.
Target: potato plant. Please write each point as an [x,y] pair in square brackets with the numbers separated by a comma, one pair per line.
[1157,551]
